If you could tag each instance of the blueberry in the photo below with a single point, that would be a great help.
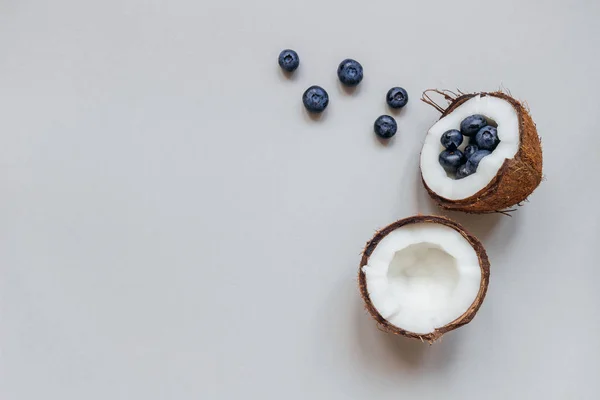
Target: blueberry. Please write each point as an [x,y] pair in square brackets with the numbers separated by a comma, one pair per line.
[471,125]
[450,160]
[396,97]
[487,138]
[477,156]
[385,127]
[470,150]
[465,170]
[451,139]
[315,99]
[350,72]
[289,60]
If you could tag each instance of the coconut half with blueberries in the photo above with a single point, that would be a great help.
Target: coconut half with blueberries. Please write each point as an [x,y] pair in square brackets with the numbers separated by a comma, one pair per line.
[423,276]
[483,155]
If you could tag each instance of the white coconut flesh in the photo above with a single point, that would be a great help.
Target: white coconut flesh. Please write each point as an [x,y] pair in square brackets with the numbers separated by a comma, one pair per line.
[422,276]
[495,109]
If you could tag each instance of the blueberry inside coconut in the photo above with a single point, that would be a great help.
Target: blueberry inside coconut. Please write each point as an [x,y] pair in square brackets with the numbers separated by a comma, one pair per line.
[454,156]
[502,155]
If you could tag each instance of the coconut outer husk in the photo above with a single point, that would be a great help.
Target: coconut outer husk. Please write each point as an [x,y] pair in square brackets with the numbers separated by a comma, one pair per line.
[465,318]
[516,179]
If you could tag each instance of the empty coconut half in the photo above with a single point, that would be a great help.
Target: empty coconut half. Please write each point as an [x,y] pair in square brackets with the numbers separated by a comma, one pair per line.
[504,178]
[423,276]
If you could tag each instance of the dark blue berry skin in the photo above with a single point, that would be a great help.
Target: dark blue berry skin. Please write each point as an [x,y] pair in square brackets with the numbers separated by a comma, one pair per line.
[396,97]
[465,170]
[487,138]
[451,139]
[477,156]
[289,60]
[471,125]
[350,72]
[315,99]
[451,160]
[385,127]
[470,150]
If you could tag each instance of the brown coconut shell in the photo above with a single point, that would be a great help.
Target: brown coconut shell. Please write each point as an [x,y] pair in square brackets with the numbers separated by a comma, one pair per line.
[516,179]
[465,318]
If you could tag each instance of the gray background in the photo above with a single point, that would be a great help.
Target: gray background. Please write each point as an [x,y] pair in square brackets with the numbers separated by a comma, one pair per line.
[174,226]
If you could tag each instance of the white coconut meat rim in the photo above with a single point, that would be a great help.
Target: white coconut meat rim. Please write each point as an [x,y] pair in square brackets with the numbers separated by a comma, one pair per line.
[423,276]
[503,114]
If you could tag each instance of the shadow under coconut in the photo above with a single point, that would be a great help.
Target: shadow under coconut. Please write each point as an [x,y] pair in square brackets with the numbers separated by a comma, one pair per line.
[346,335]
[495,230]
[382,351]
[392,354]
[482,226]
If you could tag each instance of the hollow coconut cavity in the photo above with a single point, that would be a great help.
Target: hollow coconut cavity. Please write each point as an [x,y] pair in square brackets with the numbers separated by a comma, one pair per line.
[505,177]
[423,276]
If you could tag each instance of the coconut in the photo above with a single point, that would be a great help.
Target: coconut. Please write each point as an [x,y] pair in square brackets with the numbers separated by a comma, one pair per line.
[504,178]
[423,276]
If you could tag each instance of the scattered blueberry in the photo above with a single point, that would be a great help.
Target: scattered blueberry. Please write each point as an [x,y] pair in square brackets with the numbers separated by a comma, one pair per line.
[476,158]
[450,160]
[315,99]
[451,139]
[470,150]
[385,127]
[396,97]
[465,170]
[350,72]
[471,125]
[289,60]
[487,138]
